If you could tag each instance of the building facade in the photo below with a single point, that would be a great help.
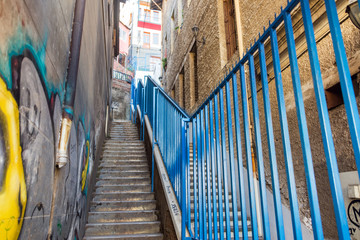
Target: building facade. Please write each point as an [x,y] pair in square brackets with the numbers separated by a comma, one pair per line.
[145,39]
[123,73]
[201,40]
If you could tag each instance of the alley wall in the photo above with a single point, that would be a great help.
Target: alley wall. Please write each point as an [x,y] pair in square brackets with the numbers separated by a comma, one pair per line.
[38,200]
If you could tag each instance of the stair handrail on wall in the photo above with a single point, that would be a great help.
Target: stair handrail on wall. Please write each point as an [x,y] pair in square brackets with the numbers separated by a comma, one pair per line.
[213,161]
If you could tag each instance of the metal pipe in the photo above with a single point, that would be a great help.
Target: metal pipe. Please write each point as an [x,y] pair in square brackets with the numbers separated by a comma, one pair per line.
[71,79]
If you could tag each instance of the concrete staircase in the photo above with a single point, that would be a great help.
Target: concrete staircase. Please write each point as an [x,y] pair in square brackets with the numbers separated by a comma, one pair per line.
[123,206]
[191,167]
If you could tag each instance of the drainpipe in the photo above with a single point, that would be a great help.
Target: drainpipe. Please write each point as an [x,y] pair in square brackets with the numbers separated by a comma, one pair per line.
[68,111]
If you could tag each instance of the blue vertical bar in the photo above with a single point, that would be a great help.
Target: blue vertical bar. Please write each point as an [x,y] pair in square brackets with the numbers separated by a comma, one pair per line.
[202,165]
[176,153]
[304,135]
[143,115]
[347,88]
[179,154]
[285,138]
[232,164]
[131,99]
[258,147]
[201,228]
[163,150]
[183,177]
[188,188]
[271,145]
[212,147]
[239,159]
[194,123]
[225,167]
[329,149]
[155,103]
[207,146]
[218,166]
[251,187]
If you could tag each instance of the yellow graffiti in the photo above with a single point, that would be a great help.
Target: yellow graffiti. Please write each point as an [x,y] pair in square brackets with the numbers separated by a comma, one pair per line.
[13,192]
[85,171]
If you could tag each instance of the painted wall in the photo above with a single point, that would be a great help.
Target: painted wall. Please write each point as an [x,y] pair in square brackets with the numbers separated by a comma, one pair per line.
[39,201]
[124,39]
[120,92]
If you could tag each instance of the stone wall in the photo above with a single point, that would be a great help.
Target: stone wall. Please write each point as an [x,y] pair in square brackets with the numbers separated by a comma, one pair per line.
[212,66]
[120,92]
[38,200]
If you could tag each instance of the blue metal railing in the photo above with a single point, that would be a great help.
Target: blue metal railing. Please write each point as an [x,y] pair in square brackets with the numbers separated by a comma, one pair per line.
[208,182]
[165,112]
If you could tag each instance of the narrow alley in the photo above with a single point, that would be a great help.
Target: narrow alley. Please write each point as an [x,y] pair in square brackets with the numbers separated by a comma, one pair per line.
[180,119]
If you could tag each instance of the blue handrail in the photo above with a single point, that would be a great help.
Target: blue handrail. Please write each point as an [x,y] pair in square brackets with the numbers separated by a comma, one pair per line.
[208,181]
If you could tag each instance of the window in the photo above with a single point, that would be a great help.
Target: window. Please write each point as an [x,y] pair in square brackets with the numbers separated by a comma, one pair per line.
[172,36]
[156,38]
[122,35]
[154,63]
[156,16]
[181,99]
[147,14]
[109,17]
[230,27]
[146,40]
[194,85]
[173,93]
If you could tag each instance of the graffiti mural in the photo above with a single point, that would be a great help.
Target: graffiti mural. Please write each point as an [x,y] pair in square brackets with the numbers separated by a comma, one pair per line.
[29,127]
[12,182]
[38,200]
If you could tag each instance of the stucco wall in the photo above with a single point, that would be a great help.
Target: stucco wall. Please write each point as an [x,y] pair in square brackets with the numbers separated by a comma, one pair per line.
[39,201]
[211,69]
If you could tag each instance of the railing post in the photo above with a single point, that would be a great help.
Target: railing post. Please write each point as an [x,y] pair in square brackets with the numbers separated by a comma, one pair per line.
[184,167]
[328,142]
[347,88]
[154,139]
[143,114]
[131,100]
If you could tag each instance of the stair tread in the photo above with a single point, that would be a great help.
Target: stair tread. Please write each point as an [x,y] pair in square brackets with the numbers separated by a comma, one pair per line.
[122,223]
[123,211]
[127,236]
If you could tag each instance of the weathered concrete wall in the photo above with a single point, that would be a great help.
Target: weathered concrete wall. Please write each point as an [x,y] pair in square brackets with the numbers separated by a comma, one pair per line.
[39,201]
[253,15]
[121,99]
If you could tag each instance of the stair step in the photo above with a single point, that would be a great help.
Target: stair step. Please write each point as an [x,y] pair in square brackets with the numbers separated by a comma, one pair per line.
[122,205]
[124,161]
[104,174]
[122,181]
[107,166]
[148,236]
[139,196]
[123,216]
[123,170]
[129,142]
[99,229]
[123,157]
[123,188]
[125,151]
[122,145]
